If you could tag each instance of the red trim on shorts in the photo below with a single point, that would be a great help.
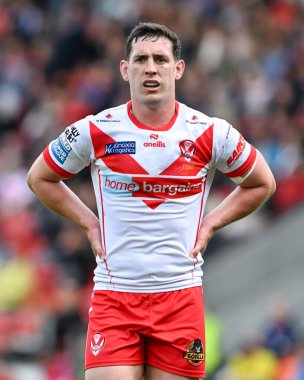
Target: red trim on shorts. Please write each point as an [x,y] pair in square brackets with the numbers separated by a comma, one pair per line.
[246,166]
[52,165]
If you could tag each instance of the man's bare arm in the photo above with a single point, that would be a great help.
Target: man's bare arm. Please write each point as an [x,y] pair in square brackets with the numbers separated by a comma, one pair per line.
[54,194]
[245,199]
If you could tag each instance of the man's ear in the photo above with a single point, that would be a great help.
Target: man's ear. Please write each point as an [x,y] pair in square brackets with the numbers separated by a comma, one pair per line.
[124,70]
[180,68]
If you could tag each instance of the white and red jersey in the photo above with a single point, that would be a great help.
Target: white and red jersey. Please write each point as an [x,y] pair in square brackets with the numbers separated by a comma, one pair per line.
[151,187]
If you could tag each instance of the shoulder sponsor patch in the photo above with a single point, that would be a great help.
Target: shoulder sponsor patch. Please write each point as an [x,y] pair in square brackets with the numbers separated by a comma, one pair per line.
[71,133]
[120,147]
[61,149]
[237,151]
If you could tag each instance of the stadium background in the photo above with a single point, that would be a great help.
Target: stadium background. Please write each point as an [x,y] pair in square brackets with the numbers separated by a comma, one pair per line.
[59,61]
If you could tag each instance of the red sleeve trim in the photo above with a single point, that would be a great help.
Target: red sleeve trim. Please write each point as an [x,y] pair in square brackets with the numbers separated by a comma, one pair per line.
[57,169]
[246,166]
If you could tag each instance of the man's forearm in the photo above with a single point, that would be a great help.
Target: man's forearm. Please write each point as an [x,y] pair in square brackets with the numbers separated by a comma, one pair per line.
[240,203]
[246,198]
[61,200]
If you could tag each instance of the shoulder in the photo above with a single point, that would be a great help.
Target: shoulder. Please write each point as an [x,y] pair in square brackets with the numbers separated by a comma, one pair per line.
[195,117]
[109,115]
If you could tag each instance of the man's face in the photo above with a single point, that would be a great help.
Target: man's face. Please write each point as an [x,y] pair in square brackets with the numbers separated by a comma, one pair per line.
[152,71]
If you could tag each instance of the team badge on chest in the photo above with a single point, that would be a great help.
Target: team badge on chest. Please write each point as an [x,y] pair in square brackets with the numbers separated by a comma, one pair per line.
[187,148]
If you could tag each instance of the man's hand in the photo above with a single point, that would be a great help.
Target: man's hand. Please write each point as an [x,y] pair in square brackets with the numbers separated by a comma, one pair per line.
[95,240]
[204,235]
[246,198]
[51,190]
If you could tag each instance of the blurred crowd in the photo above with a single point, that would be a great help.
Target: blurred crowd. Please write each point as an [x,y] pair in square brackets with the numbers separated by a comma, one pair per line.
[59,61]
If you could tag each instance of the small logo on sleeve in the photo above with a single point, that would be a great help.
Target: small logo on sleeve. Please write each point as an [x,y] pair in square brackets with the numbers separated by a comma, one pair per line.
[195,353]
[237,151]
[61,149]
[97,342]
[71,133]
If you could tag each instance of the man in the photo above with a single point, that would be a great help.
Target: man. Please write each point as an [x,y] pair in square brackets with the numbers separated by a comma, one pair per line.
[152,162]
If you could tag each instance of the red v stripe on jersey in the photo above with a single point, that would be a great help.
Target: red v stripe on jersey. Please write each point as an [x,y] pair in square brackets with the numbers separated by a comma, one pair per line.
[153,203]
[202,155]
[125,163]
[121,163]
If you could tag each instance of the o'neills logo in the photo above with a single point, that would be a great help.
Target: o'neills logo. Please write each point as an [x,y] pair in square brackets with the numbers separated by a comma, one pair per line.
[195,353]
[154,144]
[158,144]
[187,148]
[237,151]
[97,342]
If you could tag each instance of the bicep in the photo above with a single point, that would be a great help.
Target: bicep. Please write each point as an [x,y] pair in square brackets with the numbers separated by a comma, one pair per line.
[40,171]
[260,176]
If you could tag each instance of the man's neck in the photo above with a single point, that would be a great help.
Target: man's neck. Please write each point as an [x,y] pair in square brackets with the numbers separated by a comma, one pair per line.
[153,115]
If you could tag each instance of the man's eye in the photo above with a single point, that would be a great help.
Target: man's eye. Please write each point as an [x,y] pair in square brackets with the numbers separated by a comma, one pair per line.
[140,59]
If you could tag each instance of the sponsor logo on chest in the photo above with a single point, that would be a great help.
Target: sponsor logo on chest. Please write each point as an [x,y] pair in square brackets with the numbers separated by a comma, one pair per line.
[195,120]
[109,118]
[153,187]
[154,142]
[120,147]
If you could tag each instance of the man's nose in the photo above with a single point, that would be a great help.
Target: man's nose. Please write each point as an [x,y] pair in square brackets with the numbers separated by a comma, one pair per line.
[150,67]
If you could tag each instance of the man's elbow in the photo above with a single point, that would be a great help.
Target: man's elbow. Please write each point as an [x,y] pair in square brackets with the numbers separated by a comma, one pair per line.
[30,180]
[270,188]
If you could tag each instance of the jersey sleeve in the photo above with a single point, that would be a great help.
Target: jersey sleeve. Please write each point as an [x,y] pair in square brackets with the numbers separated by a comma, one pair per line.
[236,157]
[71,151]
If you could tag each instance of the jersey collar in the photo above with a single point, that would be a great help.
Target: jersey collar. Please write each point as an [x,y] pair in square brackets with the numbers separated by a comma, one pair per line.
[165,127]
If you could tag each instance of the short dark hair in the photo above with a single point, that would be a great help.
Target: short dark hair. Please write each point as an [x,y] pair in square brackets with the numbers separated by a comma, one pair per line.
[150,30]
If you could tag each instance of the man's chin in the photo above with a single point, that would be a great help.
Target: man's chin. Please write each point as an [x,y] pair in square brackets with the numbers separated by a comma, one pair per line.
[152,100]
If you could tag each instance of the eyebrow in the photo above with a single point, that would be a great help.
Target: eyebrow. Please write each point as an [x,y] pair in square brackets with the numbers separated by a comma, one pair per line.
[143,55]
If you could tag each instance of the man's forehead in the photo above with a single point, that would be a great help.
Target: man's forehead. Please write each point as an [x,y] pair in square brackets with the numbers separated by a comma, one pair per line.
[159,45]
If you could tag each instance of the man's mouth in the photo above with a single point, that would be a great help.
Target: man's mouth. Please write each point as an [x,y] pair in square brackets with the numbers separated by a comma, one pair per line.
[151,83]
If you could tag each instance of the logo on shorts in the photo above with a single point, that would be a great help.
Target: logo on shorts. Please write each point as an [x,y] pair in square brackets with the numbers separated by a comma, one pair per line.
[195,353]
[97,342]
